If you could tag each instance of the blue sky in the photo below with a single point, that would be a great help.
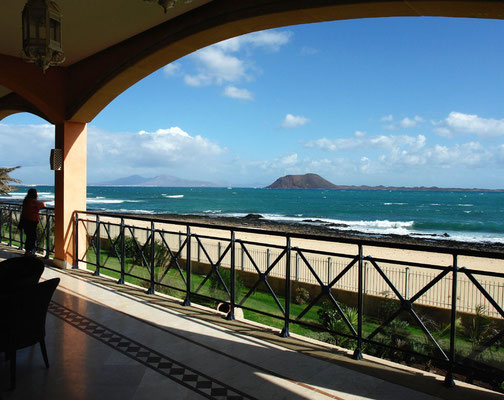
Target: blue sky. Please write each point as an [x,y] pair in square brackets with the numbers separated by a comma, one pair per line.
[393,101]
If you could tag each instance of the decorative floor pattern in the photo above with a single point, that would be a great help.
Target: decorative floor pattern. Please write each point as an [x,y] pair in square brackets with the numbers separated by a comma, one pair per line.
[183,375]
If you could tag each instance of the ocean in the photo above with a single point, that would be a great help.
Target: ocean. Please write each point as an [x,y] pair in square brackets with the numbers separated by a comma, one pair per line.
[465,216]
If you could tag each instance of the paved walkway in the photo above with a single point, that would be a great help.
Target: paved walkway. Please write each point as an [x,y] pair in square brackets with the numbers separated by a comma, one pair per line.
[109,341]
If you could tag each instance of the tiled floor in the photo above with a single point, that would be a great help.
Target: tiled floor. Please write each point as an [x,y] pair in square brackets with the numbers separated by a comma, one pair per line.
[110,342]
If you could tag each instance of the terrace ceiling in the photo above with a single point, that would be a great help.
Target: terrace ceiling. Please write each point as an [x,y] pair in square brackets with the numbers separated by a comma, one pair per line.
[110,45]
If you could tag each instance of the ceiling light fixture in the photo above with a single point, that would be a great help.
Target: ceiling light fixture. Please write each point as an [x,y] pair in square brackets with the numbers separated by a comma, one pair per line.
[41,20]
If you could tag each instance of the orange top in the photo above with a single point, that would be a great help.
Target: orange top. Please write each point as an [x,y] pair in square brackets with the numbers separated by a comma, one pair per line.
[31,208]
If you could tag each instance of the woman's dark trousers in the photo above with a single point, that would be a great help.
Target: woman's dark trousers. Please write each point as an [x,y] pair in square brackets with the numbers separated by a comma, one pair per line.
[30,229]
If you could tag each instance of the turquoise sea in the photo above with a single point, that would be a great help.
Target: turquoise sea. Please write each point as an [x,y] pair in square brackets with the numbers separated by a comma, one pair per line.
[468,216]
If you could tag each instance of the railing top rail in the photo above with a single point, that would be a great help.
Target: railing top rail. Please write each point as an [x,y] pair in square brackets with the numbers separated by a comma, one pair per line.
[19,204]
[361,242]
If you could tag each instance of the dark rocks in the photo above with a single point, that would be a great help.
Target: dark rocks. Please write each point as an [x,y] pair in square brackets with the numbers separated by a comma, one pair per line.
[253,216]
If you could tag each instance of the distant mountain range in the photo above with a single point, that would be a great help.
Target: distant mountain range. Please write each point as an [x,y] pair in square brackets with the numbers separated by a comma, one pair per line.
[160,180]
[314,181]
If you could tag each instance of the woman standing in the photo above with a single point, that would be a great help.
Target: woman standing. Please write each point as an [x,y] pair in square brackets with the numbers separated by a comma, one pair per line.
[30,219]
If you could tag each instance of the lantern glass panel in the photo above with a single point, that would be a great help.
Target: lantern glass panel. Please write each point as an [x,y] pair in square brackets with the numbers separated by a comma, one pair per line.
[55,30]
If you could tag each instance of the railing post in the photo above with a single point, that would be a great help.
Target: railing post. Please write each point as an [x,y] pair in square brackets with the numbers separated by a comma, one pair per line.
[199,251]
[76,242]
[98,246]
[10,226]
[20,234]
[406,283]
[187,301]
[285,330]
[152,244]
[268,258]
[242,259]
[297,266]
[219,251]
[358,351]
[1,223]
[48,234]
[231,315]
[329,270]
[449,381]
[123,248]
[365,278]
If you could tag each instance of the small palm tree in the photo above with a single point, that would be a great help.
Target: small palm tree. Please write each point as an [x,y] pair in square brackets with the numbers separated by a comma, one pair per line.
[5,179]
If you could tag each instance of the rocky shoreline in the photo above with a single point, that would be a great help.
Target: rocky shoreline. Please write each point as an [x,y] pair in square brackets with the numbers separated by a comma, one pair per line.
[310,228]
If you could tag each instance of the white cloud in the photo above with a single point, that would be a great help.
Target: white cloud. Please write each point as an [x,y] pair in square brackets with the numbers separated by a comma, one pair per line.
[110,155]
[404,123]
[289,160]
[271,40]
[166,146]
[443,132]
[216,67]
[457,122]
[335,144]
[410,123]
[236,93]
[229,61]
[361,141]
[26,145]
[172,69]
[294,121]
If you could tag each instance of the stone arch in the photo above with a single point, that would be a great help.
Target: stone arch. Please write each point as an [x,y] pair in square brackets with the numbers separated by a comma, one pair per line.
[96,81]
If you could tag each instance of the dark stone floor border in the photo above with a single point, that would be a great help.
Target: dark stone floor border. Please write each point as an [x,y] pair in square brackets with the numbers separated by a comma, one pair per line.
[172,369]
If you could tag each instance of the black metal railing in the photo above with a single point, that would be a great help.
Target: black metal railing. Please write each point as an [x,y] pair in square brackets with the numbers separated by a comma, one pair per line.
[12,235]
[162,254]
[215,264]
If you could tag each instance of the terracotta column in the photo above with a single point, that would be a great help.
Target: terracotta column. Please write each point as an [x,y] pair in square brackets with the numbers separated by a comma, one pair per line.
[69,188]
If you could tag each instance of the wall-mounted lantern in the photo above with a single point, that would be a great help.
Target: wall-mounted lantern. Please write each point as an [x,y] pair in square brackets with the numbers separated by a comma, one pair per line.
[42,33]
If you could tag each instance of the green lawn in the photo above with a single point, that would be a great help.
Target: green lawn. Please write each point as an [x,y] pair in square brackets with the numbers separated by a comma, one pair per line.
[262,300]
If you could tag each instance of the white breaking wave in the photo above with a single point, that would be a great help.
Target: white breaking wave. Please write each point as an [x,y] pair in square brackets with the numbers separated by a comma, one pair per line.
[381,227]
[173,196]
[20,195]
[460,237]
[394,204]
[104,201]
[128,211]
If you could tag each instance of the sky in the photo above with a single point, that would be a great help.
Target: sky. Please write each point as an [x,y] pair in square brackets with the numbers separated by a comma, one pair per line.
[387,101]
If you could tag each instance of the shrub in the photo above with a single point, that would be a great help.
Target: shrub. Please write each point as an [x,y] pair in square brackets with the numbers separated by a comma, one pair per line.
[133,250]
[331,319]
[479,328]
[302,296]
[215,283]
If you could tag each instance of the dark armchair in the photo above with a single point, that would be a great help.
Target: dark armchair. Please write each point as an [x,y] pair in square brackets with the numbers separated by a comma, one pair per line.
[23,315]
[19,272]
